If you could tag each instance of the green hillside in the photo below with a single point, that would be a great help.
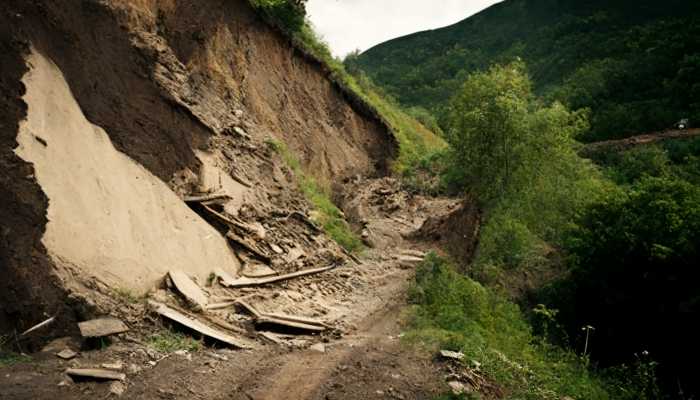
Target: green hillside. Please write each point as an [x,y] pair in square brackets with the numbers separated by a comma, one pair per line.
[635,64]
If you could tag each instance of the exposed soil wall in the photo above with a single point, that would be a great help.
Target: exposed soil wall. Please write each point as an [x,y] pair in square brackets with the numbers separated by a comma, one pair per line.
[160,77]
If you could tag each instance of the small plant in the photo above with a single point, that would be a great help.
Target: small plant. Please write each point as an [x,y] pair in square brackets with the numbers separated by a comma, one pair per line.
[168,341]
[329,215]
[127,295]
[8,358]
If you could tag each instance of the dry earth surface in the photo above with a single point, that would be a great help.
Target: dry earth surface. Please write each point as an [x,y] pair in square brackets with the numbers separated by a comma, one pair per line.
[363,357]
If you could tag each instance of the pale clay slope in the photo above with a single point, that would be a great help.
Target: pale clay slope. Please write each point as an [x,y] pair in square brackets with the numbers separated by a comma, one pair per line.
[107,214]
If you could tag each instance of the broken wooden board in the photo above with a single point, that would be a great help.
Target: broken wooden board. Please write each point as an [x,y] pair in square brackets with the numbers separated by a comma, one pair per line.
[189,290]
[294,318]
[249,308]
[102,327]
[197,326]
[267,320]
[290,321]
[221,306]
[270,337]
[234,237]
[38,326]
[243,282]
[207,197]
[100,374]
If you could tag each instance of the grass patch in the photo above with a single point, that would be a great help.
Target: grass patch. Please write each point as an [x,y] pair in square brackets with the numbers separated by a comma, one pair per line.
[9,358]
[451,311]
[128,296]
[328,215]
[167,341]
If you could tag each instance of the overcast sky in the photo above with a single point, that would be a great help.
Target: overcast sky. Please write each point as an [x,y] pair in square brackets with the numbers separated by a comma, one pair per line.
[360,24]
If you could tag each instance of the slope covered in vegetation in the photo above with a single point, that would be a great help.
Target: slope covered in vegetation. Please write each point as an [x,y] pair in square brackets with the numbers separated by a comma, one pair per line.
[634,64]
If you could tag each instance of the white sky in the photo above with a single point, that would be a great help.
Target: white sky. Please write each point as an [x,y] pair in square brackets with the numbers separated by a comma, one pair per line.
[360,24]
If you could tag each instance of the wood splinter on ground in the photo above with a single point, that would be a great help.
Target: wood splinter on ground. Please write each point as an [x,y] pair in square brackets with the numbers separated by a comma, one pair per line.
[102,327]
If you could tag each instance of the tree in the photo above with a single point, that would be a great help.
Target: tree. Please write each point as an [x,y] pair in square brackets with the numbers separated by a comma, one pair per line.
[503,140]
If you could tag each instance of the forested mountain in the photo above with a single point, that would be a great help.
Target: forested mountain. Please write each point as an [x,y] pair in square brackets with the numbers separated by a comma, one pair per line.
[635,64]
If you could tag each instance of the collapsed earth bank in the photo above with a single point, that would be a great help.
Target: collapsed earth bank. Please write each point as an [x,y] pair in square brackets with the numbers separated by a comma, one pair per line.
[113,111]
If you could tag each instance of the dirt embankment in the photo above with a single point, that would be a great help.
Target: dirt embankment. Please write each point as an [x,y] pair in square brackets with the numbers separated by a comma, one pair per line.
[164,81]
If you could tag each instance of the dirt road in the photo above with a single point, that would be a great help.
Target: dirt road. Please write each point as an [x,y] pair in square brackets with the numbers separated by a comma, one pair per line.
[364,359]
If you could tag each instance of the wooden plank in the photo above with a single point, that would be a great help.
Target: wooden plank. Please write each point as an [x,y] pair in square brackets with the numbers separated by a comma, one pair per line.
[102,327]
[100,374]
[207,197]
[294,318]
[196,325]
[39,326]
[220,306]
[250,308]
[266,320]
[271,337]
[232,236]
[243,282]
[189,290]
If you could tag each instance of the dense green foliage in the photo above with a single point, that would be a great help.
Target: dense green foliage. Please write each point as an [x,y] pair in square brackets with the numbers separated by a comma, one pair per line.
[457,313]
[634,260]
[634,64]
[518,157]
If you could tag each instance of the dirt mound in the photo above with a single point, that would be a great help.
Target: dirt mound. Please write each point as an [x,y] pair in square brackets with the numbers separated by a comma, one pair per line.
[456,232]
[187,93]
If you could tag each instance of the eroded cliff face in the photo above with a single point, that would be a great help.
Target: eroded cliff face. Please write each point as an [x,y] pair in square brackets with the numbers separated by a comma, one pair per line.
[111,111]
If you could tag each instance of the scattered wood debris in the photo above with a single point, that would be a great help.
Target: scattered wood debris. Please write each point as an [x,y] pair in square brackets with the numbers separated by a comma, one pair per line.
[102,327]
[197,326]
[252,248]
[243,282]
[99,374]
[289,321]
[189,290]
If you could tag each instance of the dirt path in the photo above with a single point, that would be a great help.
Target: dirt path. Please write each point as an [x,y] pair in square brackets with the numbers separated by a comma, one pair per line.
[365,302]
[639,140]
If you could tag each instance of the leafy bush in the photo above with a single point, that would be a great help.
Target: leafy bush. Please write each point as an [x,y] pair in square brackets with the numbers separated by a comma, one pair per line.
[636,256]
[453,312]
[286,14]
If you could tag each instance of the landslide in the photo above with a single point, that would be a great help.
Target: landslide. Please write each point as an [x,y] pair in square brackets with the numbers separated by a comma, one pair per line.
[166,81]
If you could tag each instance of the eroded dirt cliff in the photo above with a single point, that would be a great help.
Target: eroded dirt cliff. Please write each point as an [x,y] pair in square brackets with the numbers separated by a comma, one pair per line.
[189,92]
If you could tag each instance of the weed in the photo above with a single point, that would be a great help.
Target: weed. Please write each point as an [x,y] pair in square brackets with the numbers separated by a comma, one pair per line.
[127,295]
[9,358]
[167,341]
[328,215]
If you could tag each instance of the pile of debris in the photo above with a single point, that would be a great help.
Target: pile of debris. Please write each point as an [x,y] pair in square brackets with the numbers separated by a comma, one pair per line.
[464,379]
[271,253]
